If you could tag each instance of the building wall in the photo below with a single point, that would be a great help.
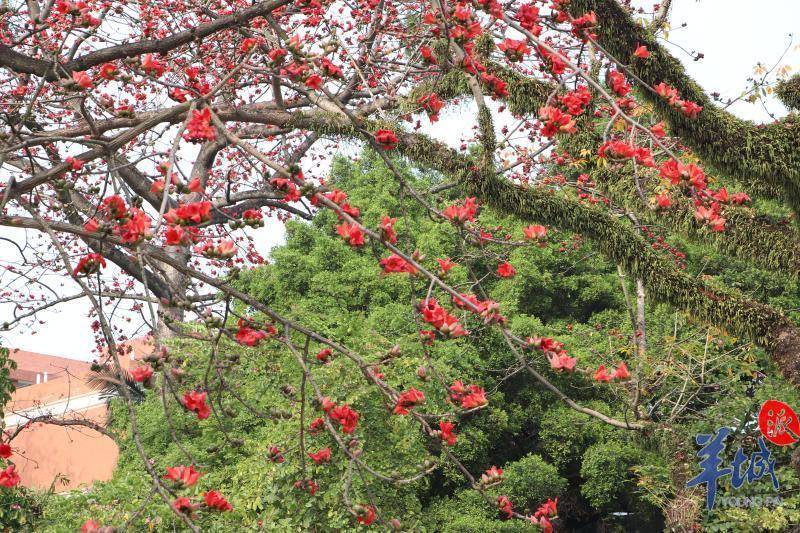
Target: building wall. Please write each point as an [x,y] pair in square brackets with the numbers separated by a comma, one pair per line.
[65,457]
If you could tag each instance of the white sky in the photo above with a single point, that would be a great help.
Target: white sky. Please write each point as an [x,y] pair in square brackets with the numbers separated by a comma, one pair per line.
[734,35]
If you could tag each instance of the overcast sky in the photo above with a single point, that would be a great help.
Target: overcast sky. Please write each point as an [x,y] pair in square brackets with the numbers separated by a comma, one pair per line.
[733,35]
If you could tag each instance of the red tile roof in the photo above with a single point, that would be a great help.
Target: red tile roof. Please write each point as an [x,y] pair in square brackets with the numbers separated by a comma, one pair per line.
[31,363]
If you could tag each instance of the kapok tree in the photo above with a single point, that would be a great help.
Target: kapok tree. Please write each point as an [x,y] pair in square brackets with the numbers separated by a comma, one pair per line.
[144,146]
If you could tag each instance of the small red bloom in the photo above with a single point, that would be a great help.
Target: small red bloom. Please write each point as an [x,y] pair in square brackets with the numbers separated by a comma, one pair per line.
[89,264]
[199,128]
[142,373]
[446,432]
[365,514]
[185,475]
[184,505]
[214,500]
[345,416]
[505,270]
[396,264]
[83,80]
[642,52]
[9,477]
[408,400]
[351,233]
[601,375]
[445,264]
[621,372]
[5,450]
[322,456]
[196,402]
[537,232]
[324,354]
[387,139]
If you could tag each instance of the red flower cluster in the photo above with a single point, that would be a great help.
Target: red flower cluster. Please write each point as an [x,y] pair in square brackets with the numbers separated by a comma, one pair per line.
[469,397]
[556,121]
[438,317]
[514,50]
[544,513]
[322,456]
[670,94]
[89,264]
[5,450]
[189,214]
[142,373]
[408,400]
[396,264]
[249,336]
[345,416]
[616,80]
[351,233]
[506,270]
[492,476]
[9,477]
[199,128]
[576,101]
[184,475]
[583,23]
[214,500]
[446,434]
[292,193]
[431,104]
[196,402]
[463,211]
[505,507]
[528,17]
[621,373]
[223,250]
[387,139]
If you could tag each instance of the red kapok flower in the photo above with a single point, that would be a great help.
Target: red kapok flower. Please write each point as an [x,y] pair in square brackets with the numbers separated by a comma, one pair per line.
[396,264]
[505,270]
[199,128]
[505,507]
[621,372]
[601,375]
[184,505]
[82,80]
[365,514]
[5,450]
[641,52]
[324,354]
[345,416]
[214,500]
[351,233]
[90,526]
[446,432]
[537,232]
[492,476]
[322,456]
[196,402]
[408,400]
[185,475]
[9,477]
[142,373]
[387,139]
[89,264]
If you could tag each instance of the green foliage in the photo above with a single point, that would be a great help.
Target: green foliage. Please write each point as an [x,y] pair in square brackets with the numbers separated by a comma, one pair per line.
[545,448]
